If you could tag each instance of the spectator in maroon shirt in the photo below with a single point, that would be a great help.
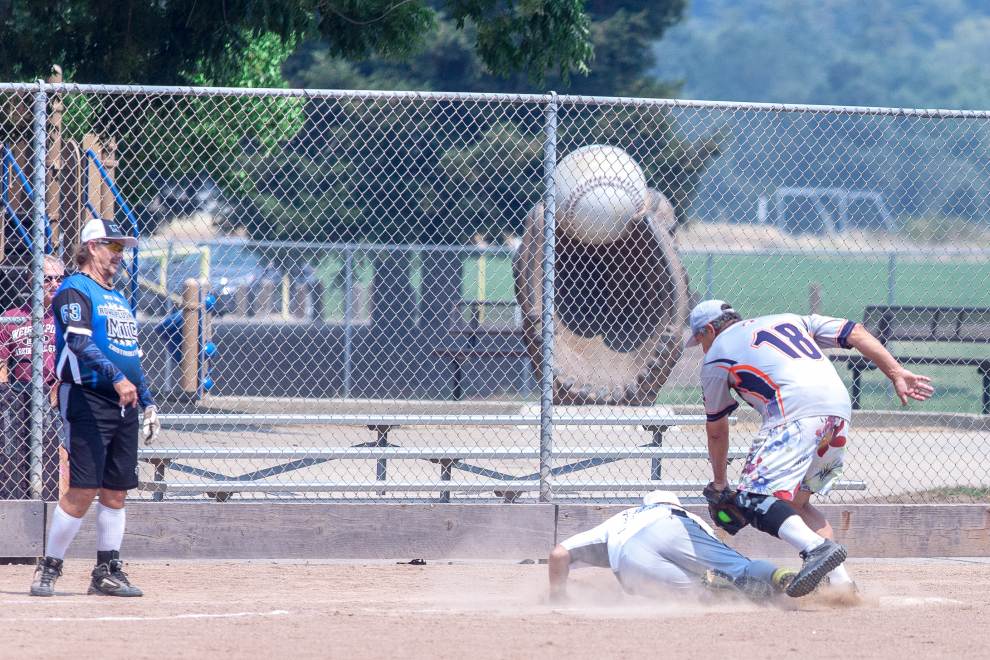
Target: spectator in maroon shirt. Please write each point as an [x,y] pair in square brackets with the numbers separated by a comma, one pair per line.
[15,397]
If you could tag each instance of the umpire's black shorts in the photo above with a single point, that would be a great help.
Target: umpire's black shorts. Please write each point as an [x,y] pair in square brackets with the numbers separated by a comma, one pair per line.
[101,441]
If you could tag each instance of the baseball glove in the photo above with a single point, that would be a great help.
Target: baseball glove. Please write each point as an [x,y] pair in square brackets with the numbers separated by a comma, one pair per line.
[723,509]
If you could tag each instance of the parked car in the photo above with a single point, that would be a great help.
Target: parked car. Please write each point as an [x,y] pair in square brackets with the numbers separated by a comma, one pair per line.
[240,278]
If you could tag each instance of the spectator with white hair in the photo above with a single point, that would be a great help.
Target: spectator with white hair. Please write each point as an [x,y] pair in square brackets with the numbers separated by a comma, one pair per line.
[16,354]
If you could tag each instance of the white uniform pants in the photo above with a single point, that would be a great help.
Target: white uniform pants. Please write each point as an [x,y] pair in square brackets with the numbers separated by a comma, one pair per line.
[674,553]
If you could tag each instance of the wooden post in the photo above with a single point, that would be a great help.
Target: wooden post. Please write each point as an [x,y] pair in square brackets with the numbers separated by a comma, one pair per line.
[53,163]
[72,213]
[189,364]
[108,156]
[94,186]
[815,297]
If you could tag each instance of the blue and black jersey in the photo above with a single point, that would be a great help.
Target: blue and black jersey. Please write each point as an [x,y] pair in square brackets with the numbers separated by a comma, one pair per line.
[96,338]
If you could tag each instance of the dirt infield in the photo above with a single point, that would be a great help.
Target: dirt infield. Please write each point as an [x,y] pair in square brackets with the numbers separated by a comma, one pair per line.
[935,608]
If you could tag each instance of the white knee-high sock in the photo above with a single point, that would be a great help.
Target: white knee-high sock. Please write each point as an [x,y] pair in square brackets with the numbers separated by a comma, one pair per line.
[109,528]
[61,532]
[799,535]
[839,575]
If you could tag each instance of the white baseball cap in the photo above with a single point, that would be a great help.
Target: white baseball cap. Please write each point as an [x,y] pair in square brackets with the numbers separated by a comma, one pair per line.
[704,313]
[99,229]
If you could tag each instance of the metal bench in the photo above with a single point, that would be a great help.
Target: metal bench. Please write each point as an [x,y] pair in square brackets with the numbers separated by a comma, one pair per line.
[381,450]
[967,325]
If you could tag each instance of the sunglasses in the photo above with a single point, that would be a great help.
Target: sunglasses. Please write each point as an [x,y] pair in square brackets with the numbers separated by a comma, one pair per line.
[113,246]
[53,279]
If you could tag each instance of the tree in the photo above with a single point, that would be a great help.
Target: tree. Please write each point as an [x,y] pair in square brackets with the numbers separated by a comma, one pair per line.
[621,36]
[495,161]
[360,170]
[164,42]
[245,44]
[145,42]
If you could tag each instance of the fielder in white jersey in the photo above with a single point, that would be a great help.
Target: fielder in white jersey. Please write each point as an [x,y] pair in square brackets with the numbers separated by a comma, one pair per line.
[660,548]
[776,364]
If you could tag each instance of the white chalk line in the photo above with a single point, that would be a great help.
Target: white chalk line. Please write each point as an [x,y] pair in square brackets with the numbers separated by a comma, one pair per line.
[627,612]
[449,611]
[170,617]
[917,601]
[530,610]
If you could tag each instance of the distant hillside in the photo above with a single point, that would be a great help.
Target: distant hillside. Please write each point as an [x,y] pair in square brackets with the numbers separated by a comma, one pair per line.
[907,53]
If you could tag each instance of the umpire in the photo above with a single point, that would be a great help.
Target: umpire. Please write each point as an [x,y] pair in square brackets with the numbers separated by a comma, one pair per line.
[99,363]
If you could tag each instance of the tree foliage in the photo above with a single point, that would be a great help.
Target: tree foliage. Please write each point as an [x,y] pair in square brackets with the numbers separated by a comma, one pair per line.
[357,169]
[143,42]
[454,58]
[167,41]
[488,177]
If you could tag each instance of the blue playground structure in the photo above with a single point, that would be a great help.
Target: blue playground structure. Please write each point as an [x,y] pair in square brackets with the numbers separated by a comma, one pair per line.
[10,166]
[171,326]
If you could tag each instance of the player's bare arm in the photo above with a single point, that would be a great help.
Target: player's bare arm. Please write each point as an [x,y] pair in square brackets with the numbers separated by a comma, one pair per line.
[907,384]
[558,567]
[718,450]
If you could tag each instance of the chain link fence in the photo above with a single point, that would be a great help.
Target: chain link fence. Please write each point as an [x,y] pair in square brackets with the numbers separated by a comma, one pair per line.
[402,296]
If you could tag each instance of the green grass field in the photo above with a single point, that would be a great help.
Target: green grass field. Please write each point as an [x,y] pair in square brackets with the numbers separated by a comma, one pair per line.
[765,284]
[758,285]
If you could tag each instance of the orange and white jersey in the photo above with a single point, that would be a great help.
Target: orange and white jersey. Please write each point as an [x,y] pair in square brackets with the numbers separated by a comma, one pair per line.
[776,365]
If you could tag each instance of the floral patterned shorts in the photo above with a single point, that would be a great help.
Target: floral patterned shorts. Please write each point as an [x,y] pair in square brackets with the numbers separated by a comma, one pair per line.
[806,454]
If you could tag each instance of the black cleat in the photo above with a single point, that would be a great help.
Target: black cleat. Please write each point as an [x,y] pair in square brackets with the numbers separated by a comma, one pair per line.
[110,580]
[47,571]
[818,563]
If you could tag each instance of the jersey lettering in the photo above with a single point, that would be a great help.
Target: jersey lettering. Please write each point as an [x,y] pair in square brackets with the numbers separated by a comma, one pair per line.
[789,340]
[122,330]
[71,312]
[121,326]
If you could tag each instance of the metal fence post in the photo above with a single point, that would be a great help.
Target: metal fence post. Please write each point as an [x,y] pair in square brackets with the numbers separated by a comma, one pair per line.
[891,277]
[348,319]
[37,291]
[549,256]
[709,276]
